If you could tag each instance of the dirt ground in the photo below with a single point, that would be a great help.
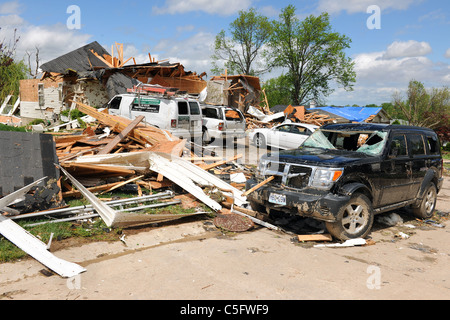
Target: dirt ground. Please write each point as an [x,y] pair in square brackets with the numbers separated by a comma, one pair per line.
[193,260]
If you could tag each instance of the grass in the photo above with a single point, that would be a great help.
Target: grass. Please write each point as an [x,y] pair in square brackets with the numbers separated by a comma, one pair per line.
[97,231]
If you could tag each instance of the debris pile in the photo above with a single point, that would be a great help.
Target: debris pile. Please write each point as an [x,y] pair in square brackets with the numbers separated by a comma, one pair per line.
[264,118]
[114,153]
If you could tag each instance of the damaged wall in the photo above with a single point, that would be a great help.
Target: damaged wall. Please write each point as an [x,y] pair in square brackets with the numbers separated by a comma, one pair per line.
[90,92]
[44,98]
[40,99]
[217,92]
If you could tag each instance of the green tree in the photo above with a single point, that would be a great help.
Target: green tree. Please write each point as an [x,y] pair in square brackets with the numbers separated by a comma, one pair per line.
[278,90]
[313,55]
[11,71]
[422,107]
[242,50]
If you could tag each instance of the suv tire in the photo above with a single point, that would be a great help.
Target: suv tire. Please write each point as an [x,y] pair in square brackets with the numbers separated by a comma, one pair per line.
[354,219]
[426,208]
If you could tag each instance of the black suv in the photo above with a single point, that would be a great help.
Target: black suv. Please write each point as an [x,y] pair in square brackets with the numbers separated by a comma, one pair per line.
[343,174]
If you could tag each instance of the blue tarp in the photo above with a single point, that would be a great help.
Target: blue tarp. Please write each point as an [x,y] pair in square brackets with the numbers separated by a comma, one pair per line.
[358,114]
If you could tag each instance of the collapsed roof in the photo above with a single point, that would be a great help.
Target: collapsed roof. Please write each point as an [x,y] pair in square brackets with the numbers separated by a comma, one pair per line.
[92,61]
[79,60]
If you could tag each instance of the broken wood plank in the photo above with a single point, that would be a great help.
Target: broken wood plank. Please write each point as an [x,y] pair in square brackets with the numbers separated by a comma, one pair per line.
[102,59]
[219,163]
[314,237]
[76,193]
[144,134]
[122,184]
[111,145]
[89,169]
[259,185]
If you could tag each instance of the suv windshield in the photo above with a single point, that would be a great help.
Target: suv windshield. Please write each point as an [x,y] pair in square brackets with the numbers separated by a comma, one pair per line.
[368,142]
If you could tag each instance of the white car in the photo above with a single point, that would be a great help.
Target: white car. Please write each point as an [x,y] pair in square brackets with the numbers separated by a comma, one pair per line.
[283,136]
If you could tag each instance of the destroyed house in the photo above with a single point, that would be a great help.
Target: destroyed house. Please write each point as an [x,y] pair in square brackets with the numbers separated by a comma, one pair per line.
[238,91]
[92,76]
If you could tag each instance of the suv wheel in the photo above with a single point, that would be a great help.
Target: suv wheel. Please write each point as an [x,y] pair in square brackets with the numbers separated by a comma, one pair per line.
[354,219]
[426,208]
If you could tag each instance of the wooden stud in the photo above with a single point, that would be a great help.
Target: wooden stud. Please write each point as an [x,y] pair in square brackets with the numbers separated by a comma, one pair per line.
[122,135]
[259,185]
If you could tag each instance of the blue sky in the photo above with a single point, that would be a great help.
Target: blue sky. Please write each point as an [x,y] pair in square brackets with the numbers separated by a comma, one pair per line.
[412,43]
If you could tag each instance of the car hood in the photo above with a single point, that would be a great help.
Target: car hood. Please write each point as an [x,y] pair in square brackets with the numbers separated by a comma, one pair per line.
[318,157]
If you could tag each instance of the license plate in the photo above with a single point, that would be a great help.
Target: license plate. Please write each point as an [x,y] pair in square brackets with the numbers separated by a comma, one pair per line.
[277,199]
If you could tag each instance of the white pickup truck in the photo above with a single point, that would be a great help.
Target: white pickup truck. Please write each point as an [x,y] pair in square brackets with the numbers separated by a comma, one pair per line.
[222,122]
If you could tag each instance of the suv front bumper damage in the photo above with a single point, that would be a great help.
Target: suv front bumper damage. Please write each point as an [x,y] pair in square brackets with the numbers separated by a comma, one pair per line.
[321,205]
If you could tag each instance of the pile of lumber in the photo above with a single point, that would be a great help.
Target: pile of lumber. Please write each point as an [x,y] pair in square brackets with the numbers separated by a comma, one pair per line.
[111,134]
[297,114]
[317,119]
[114,152]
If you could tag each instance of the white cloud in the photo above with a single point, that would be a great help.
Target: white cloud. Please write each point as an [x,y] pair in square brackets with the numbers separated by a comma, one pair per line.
[380,75]
[220,7]
[52,40]
[355,6]
[11,20]
[374,69]
[270,11]
[447,53]
[410,48]
[193,52]
[12,7]
[130,50]
[186,28]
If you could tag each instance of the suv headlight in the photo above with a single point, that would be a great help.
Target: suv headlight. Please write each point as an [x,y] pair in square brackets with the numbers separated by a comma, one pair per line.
[324,178]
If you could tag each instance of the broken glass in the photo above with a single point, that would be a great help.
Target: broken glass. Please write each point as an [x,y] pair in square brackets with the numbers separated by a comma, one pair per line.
[368,142]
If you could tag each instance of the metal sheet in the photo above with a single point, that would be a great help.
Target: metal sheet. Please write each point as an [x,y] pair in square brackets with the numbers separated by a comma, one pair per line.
[37,249]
